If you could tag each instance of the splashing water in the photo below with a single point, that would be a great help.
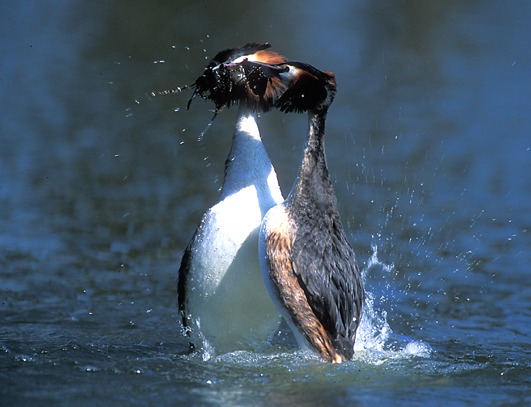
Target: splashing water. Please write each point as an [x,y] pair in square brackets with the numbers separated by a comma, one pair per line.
[202,134]
[374,335]
[374,329]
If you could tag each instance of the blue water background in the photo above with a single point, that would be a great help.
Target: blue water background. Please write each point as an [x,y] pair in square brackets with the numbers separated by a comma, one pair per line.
[102,185]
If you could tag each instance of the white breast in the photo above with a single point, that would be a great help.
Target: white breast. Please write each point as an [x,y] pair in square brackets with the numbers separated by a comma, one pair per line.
[226,298]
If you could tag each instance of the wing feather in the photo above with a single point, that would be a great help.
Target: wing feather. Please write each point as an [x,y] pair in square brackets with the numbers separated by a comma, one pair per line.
[293,295]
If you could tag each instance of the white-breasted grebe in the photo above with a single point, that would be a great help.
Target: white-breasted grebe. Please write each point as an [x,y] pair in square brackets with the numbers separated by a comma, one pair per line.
[307,263]
[221,294]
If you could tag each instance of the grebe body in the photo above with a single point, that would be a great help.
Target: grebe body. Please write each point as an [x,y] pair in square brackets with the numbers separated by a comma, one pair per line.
[308,265]
[222,297]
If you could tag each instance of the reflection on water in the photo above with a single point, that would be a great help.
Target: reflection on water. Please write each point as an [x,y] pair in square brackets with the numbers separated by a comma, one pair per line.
[102,185]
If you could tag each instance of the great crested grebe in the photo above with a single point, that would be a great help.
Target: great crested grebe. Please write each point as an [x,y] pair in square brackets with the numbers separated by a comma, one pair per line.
[221,295]
[307,263]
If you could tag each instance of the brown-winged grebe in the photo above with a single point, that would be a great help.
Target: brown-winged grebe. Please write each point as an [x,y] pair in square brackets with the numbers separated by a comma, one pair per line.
[307,263]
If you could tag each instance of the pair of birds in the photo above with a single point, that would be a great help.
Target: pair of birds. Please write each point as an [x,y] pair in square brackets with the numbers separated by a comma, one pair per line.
[254,254]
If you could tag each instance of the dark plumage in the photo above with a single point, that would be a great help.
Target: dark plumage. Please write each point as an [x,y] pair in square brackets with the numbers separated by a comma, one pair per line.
[307,262]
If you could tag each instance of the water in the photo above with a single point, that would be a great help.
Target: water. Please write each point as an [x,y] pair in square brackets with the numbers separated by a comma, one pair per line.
[102,184]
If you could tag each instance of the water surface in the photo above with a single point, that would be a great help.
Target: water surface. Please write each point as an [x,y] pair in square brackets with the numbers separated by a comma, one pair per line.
[102,186]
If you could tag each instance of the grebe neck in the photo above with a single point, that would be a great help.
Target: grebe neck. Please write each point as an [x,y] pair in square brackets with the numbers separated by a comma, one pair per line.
[248,164]
[313,181]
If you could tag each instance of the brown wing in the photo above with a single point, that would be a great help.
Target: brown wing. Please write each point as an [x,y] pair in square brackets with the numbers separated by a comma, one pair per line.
[292,295]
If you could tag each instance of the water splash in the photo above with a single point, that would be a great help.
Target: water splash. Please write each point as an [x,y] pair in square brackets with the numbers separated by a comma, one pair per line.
[374,330]
[375,335]
[202,134]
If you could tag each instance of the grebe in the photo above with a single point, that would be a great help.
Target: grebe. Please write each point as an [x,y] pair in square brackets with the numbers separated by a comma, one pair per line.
[307,263]
[221,294]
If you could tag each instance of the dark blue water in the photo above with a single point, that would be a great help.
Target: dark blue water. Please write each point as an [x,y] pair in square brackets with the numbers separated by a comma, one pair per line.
[102,186]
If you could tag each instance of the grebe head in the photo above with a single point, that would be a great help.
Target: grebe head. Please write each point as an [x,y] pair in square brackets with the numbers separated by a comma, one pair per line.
[309,89]
[248,74]
[264,79]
